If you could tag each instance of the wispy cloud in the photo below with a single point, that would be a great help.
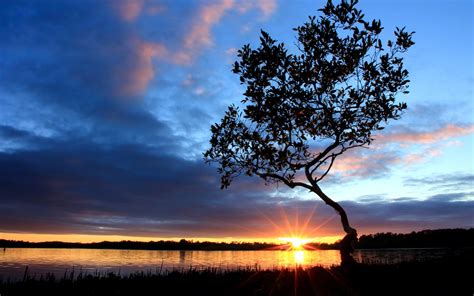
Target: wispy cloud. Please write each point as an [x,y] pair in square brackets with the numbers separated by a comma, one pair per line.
[378,160]
[128,10]
[267,6]
[138,77]
[200,35]
[446,182]
[411,136]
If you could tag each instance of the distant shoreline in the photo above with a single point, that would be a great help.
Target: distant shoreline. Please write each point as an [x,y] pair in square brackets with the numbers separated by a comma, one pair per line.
[440,238]
[236,250]
[147,246]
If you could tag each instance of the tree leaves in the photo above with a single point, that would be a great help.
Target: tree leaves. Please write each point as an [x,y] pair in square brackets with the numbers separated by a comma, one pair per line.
[338,89]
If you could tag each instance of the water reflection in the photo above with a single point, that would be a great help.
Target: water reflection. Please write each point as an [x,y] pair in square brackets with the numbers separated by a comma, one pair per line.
[58,260]
[299,257]
[39,261]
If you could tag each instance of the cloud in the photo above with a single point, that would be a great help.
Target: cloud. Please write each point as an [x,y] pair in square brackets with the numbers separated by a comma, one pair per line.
[12,133]
[84,187]
[267,6]
[232,51]
[427,153]
[209,15]
[397,148]
[404,145]
[67,71]
[453,197]
[72,49]
[12,139]
[364,165]
[155,9]
[128,10]
[200,35]
[410,136]
[456,181]
[124,188]
[409,214]
[139,77]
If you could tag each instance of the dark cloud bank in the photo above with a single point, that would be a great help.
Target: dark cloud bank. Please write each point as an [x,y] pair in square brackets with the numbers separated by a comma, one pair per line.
[83,187]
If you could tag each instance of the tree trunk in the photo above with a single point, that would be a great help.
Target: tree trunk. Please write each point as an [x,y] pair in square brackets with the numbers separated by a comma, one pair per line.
[347,243]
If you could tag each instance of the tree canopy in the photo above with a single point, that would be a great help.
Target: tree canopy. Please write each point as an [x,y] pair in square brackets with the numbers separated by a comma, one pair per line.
[301,110]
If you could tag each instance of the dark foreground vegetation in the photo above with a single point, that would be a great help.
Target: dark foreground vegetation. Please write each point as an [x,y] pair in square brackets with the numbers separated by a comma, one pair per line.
[447,276]
[440,238]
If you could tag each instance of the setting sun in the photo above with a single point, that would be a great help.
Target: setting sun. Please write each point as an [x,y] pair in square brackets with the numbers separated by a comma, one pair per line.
[296,242]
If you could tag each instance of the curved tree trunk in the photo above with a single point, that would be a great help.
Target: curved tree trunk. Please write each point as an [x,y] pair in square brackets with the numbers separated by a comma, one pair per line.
[347,243]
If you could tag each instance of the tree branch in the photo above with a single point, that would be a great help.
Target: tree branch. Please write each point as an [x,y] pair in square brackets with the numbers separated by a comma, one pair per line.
[290,184]
[333,157]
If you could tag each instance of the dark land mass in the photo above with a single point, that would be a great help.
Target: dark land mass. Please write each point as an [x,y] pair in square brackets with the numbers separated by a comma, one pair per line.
[451,275]
[440,238]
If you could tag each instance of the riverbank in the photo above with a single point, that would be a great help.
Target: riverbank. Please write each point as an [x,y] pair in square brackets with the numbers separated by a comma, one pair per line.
[447,276]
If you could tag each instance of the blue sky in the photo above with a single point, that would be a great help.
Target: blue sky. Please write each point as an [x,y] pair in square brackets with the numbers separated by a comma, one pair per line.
[106,108]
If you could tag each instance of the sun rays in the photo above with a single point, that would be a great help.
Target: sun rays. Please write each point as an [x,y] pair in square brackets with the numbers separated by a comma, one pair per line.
[295,243]
[295,227]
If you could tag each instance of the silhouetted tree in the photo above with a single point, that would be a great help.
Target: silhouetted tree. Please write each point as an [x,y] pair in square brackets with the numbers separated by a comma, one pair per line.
[303,110]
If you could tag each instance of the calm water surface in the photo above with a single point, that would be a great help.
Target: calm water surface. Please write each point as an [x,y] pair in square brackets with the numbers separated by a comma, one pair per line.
[40,261]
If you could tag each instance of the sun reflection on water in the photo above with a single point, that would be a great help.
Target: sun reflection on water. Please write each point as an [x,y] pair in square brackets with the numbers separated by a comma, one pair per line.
[299,257]
[14,261]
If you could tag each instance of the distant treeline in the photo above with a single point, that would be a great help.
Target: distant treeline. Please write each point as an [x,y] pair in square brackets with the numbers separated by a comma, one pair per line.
[440,238]
[134,245]
[422,239]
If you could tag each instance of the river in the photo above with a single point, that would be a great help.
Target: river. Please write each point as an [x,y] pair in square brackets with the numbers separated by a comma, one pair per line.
[13,261]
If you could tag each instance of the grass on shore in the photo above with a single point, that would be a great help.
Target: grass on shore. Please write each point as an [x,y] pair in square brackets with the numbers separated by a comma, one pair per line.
[448,276]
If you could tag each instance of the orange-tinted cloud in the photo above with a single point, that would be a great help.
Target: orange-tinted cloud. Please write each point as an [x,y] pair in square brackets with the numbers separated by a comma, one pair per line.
[128,10]
[364,165]
[200,35]
[440,134]
[358,163]
[414,158]
[154,9]
[136,78]
[267,6]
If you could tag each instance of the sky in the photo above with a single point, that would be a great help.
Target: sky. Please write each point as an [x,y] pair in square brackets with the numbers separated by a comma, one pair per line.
[106,108]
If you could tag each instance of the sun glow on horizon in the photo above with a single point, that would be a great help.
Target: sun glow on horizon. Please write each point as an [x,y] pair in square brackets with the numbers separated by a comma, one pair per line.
[296,242]
[293,229]
[92,238]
